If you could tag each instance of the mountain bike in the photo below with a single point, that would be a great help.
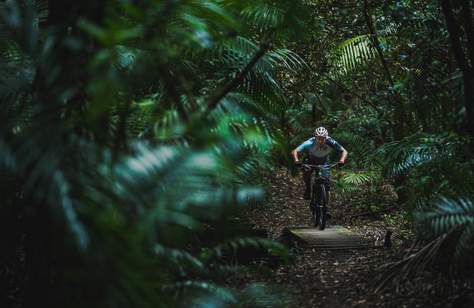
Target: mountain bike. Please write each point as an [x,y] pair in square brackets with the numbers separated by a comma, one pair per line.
[319,194]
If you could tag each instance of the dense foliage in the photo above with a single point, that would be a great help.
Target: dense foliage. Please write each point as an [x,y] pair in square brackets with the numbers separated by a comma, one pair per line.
[394,82]
[128,135]
[130,131]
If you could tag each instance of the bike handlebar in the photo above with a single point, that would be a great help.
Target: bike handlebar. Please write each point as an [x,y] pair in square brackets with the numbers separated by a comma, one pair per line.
[329,166]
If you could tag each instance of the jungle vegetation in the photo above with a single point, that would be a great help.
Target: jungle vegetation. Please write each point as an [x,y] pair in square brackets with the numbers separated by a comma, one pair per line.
[131,132]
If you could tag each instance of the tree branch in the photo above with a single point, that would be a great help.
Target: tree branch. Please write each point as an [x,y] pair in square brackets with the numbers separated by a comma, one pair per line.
[170,85]
[399,110]
[231,85]
[375,41]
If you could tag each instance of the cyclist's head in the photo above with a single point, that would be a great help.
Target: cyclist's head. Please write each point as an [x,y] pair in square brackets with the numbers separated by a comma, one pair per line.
[321,134]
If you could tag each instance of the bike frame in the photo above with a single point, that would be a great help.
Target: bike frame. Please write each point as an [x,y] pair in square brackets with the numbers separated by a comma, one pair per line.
[319,194]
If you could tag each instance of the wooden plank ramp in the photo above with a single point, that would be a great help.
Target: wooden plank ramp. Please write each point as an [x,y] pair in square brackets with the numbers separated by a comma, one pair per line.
[333,237]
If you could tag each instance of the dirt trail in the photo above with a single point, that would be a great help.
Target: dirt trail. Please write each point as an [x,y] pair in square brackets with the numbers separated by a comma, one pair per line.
[341,278]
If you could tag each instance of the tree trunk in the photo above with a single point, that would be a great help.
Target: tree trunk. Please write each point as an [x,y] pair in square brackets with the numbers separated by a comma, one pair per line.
[460,55]
[400,117]
[399,113]
[469,76]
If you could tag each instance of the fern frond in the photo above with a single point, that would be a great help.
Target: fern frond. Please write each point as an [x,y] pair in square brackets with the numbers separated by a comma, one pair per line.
[233,245]
[7,156]
[179,256]
[62,196]
[221,293]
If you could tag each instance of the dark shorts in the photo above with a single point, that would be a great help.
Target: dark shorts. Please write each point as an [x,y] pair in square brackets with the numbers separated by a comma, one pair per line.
[324,173]
[318,161]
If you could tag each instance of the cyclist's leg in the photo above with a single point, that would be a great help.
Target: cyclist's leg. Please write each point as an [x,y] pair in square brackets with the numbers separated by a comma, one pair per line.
[328,194]
[307,183]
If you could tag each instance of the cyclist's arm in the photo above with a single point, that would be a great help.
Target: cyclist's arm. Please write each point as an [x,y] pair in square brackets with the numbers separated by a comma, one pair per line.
[340,149]
[344,154]
[295,155]
[302,147]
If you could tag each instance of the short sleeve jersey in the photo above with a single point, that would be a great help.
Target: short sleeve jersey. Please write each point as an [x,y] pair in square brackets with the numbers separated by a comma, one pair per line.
[318,152]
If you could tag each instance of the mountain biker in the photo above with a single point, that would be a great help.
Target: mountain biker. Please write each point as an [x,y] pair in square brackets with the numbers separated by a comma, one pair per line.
[318,149]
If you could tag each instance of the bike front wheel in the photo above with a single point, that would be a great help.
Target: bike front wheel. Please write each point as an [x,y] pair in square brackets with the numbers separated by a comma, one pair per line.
[314,207]
[321,209]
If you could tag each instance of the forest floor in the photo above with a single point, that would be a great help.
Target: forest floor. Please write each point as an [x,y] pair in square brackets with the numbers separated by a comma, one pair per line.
[341,278]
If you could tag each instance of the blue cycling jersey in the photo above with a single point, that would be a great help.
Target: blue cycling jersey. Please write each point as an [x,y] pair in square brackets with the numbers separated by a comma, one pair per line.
[319,153]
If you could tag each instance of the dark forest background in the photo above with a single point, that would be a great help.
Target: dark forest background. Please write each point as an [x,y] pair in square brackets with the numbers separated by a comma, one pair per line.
[132,133]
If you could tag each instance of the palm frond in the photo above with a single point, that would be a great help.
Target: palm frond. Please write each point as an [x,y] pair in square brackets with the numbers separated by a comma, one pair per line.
[357,178]
[415,263]
[352,181]
[449,226]
[352,53]
[361,147]
[143,201]
[447,214]
[266,16]
[415,150]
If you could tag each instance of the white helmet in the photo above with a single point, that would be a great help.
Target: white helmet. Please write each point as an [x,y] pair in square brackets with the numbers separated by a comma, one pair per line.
[321,132]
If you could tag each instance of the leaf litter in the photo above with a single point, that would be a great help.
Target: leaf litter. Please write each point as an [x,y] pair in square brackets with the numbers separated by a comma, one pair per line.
[341,278]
